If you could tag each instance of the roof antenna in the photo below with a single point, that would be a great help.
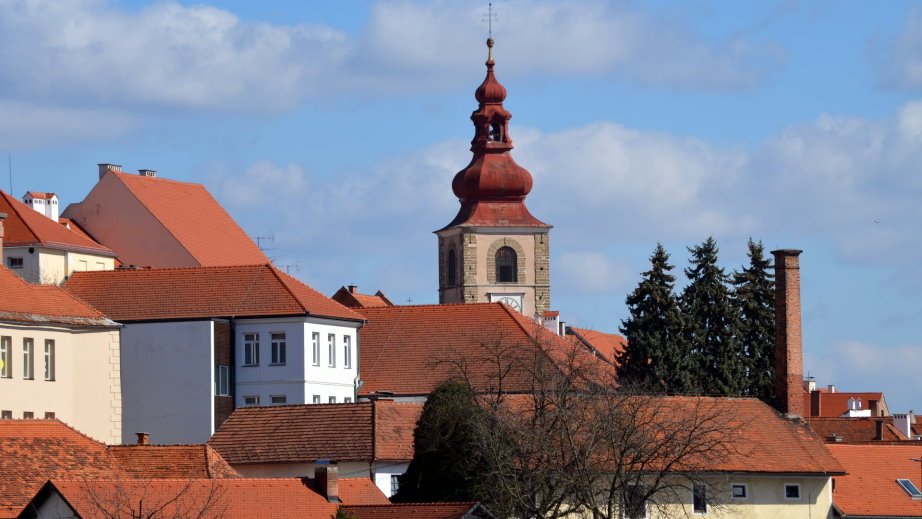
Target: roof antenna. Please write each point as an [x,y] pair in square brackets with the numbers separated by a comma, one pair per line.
[9,163]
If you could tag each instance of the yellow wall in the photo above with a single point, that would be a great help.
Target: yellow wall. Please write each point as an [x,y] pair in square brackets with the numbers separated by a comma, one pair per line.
[51,266]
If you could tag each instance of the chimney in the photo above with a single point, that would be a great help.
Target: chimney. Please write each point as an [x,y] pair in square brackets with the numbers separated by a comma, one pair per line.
[143,438]
[874,406]
[816,403]
[2,217]
[789,371]
[105,167]
[809,384]
[326,477]
[353,288]
[147,172]
[878,430]
[831,388]
[903,423]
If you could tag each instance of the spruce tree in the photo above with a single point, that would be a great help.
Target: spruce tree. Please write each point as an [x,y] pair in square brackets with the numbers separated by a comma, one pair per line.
[754,298]
[710,324]
[653,358]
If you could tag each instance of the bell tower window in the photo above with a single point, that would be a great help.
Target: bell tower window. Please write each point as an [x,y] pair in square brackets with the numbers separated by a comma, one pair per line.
[506,266]
[452,268]
[496,133]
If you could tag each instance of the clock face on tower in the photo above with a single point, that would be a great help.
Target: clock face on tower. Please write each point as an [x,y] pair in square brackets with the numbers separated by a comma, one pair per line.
[514,301]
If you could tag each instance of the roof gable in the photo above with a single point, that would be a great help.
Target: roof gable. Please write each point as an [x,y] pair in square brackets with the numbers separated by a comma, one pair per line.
[25,302]
[606,345]
[25,226]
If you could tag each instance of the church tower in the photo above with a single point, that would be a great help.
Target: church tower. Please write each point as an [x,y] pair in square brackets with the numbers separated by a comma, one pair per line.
[494,249]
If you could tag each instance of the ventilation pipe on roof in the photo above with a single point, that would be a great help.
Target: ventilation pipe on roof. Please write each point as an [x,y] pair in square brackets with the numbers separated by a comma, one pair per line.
[143,438]
[353,289]
[831,388]
[106,167]
[326,477]
[789,372]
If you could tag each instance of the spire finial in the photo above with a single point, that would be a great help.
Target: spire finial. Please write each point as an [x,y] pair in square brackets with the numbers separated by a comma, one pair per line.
[489,50]
[489,17]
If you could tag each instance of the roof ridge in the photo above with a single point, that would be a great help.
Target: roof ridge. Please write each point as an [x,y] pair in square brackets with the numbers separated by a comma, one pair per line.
[73,297]
[277,273]
[129,271]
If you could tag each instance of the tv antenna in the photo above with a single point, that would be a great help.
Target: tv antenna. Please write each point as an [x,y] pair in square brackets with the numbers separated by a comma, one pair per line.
[488,19]
[290,266]
[261,239]
[9,163]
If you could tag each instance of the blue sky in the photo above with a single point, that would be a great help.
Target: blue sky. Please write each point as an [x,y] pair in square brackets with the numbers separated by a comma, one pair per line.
[336,128]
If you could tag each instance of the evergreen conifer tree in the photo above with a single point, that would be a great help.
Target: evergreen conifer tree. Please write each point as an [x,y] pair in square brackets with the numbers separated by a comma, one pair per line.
[653,358]
[710,332]
[754,298]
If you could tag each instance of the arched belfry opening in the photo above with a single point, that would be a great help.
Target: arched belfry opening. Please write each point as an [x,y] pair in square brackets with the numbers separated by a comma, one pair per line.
[507,265]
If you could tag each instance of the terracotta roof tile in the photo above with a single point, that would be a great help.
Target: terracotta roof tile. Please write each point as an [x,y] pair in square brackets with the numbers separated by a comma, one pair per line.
[352,299]
[181,293]
[172,461]
[409,350]
[40,196]
[870,488]
[25,302]
[25,226]
[854,430]
[608,345]
[195,219]
[413,511]
[360,491]
[495,214]
[836,404]
[307,433]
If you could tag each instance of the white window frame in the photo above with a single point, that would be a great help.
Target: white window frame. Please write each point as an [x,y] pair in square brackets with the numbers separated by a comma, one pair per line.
[395,484]
[49,359]
[745,488]
[799,492]
[331,346]
[278,399]
[704,494]
[315,342]
[347,351]
[250,400]
[331,400]
[49,415]
[277,341]
[251,349]
[222,380]
[28,415]
[6,356]
[28,358]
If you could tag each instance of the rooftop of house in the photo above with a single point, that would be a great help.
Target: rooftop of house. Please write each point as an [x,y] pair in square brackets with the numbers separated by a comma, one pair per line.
[34,451]
[307,433]
[350,296]
[870,488]
[39,195]
[24,302]
[409,350]
[186,293]
[824,402]
[419,511]
[25,227]
[187,211]
[606,345]
[243,498]
[855,430]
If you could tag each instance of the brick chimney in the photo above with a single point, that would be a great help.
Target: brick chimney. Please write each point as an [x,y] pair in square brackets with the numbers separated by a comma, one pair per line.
[143,438]
[326,478]
[353,289]
[789,370]
[2,217]
[106,167]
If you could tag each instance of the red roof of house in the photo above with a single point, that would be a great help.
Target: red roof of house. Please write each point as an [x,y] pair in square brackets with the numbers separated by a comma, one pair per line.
[870,487]
[184,293]
[28,303]
[409,350]
[26,227]
[360,491]
[413,511]
[307,433]
[33,451]
[607,345]
[39,195]
[195,219]
[836,404]
[348,296]
[854,430]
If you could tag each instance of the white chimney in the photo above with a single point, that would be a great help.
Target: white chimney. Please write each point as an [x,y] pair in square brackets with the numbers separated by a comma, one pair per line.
[832,388]
[550,320]
[810,384]
[903,423]
[44,203]
[147,172]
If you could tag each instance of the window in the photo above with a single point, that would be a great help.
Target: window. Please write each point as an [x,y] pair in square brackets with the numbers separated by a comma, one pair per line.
[395,484]
[6,415]
[635,502]
[347,351]
[506,266]
[699,499]
[315,340]
[49,415]
[452,268]
[739,491]
[910,488]
[14,263]
[792,491]
[28,415]
[278,399]
[221,380]
[332,400]
[331,345]
[251,349]
[316,399]
[251,400]
[49,359]
[347,400]
[6,356]
[28,356]
[278,348]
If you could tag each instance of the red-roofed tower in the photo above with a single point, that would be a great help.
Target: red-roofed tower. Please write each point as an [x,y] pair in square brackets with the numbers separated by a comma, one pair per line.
[494,249]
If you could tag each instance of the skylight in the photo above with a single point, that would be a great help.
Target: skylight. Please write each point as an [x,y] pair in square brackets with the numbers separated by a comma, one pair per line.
[910,488]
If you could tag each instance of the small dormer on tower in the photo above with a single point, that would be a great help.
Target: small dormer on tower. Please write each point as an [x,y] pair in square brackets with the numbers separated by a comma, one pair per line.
[494,249]
[44,203]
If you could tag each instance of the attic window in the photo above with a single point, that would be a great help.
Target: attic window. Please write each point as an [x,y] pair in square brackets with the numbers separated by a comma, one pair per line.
[910,488]
[14,263]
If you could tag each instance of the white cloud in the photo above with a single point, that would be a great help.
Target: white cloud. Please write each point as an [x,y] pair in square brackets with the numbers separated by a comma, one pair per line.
[591,272]
[899,60]
[24,124]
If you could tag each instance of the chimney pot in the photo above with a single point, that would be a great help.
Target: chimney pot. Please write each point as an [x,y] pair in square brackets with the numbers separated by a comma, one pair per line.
[147,172]
[789,372]
[143,438]
[106,167]
[327,479]
[831,388]
[353,288]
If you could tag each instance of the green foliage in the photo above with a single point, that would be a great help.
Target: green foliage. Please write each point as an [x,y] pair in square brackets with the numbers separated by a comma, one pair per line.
[655,359]
[445,465]
[754,298]
[711,324]
[342,513]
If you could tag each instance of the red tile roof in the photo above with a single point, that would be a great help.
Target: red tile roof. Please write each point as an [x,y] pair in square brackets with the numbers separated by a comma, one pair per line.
[28,303]
[409,350]
[26,227]
[39,195]
[349,297]
[307,433]
[195,219]
[33,451]
[413,511]
[182,293]
[607,345]
[361,491]
[854,430]
[870,488]
[836,404]
[495,214]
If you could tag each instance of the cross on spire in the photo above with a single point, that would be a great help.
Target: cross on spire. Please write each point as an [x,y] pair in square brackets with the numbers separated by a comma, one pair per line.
[489,17]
